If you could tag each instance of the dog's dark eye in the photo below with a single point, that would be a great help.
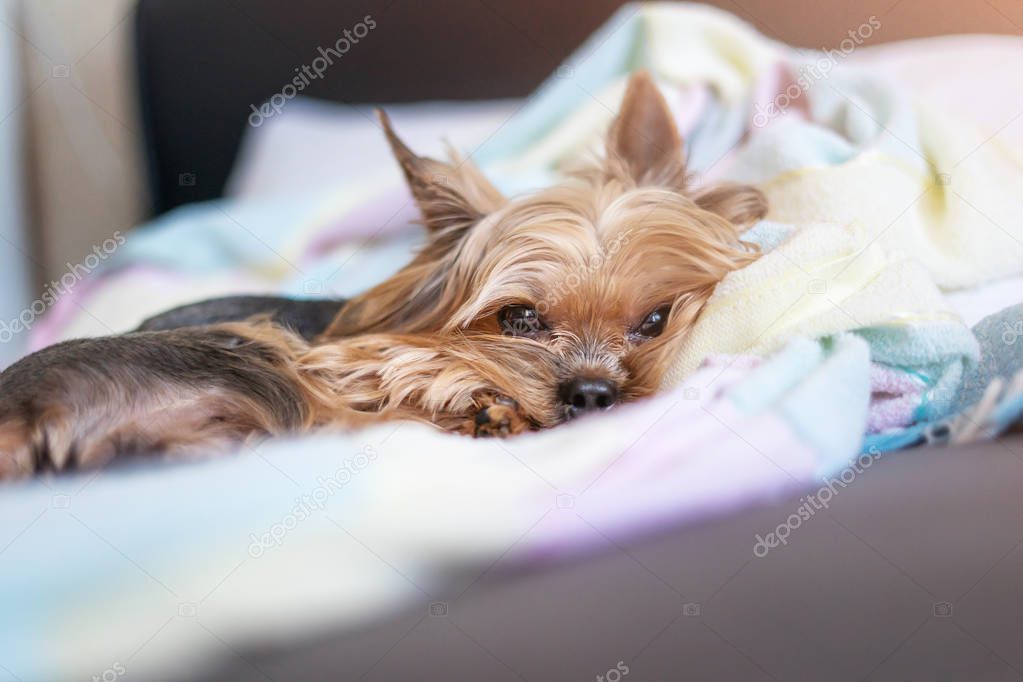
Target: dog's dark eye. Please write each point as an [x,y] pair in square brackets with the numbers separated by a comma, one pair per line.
[654,323]
[520,320]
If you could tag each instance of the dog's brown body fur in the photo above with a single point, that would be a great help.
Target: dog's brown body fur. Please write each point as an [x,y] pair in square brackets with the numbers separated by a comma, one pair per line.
[191,391]
[514,316]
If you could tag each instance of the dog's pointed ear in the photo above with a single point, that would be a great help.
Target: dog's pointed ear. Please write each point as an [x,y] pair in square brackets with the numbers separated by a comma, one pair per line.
[643,137]
[449,195]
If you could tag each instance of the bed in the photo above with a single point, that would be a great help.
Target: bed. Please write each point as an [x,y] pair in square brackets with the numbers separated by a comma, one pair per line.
[526,565]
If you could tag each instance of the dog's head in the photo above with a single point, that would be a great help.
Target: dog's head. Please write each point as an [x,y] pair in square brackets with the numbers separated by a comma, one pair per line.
[608,270]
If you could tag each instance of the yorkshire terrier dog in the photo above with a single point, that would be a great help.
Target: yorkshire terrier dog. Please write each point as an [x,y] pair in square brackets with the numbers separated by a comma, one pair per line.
[517,314]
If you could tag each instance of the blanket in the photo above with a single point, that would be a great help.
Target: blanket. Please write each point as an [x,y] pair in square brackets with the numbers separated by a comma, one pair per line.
[838,343]
[334,530]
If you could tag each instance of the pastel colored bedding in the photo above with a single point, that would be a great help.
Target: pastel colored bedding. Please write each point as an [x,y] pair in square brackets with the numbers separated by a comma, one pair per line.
[891,222]
[333,529]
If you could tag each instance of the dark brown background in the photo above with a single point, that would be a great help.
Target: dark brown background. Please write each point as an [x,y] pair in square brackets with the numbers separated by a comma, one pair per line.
[202,63]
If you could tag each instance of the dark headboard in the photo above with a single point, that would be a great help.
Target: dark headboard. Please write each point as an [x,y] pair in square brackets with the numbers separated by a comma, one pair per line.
[203,63]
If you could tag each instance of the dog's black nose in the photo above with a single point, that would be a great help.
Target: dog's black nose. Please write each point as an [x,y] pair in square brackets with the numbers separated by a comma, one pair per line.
[585,394]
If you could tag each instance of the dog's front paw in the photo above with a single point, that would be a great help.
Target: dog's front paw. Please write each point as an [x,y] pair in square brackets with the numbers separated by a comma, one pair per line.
[498,417]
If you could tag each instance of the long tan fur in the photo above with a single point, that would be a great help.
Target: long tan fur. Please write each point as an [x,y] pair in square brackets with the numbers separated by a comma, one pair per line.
[622,240]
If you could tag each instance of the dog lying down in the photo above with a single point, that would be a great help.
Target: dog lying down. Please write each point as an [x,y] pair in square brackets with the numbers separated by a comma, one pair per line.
[517,314]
